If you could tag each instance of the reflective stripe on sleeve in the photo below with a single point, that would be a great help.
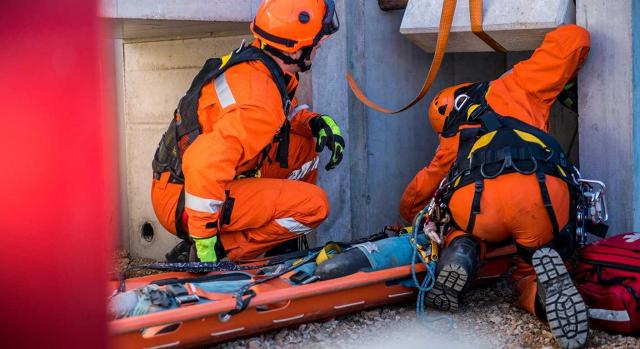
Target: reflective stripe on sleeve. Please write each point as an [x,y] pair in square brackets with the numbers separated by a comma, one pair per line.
[609,315]
[293,226]
[224,91]
[201,204]
[298,109]
[305,169]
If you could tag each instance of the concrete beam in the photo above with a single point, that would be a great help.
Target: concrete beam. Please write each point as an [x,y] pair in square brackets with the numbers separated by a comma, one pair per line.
[161,29]
[330,96]
[192,10]
[608,134]
[178,19]
[518,25]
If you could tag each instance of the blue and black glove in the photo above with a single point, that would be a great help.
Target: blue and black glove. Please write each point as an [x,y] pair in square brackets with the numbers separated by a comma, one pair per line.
[328,134]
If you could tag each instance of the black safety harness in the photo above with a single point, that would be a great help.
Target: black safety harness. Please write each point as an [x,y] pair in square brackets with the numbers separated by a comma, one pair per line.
[185,127]
[499,145]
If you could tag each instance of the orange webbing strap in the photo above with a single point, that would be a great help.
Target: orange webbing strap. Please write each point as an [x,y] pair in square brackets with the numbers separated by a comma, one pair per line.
[475,16]
[448,9]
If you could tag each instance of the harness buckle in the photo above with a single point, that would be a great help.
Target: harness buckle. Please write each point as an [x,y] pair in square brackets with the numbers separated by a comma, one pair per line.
[532,171]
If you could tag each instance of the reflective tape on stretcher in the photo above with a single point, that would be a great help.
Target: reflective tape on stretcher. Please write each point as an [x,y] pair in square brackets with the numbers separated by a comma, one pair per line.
[201,204]
[609,315]
[293,226]
[305,169]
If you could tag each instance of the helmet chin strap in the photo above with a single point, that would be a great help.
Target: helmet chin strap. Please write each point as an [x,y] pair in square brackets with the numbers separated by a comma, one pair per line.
[300,62]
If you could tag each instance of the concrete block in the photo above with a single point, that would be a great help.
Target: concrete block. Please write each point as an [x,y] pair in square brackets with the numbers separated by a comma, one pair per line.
[202,10]
[518,25]
[154,77]
[161,29]
[607,137]
[178,54]
[141,145]
[151,100]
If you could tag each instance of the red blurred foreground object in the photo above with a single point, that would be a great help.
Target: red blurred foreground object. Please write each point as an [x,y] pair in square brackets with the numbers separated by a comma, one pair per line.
[58,206]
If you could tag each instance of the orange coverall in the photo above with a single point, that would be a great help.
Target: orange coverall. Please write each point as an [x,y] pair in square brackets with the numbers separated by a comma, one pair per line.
[240,113]
[511,204]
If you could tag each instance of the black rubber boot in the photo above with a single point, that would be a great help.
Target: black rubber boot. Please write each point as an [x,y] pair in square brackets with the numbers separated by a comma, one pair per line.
[456,270]
[180,253]
[565,310]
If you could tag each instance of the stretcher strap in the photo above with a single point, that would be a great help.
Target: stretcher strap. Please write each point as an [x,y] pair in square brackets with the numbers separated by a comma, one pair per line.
[475,16]
[446,18]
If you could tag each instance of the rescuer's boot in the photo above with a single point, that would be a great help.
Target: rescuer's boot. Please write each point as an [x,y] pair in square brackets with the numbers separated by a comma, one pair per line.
[180,253]
[565,310]
[456,270]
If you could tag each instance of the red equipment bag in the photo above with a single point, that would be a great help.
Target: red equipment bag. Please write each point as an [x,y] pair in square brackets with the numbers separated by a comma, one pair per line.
[608,277]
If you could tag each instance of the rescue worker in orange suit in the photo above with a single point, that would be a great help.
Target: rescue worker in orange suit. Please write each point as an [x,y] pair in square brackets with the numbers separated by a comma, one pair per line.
[507,184]
[246,181]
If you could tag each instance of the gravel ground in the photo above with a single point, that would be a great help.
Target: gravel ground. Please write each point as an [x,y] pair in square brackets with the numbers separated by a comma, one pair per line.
[489,318]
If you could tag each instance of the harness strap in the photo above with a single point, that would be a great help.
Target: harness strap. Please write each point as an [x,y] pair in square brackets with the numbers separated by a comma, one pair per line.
[180,231]
[282,154]
[475,205]
[446,19]
[546,200]
[475,16]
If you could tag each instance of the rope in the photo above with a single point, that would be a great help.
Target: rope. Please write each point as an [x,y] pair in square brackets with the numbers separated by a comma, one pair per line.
[429,280]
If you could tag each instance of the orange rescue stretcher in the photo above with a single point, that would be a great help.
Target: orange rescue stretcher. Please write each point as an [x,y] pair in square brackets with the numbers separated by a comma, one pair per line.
[206,317]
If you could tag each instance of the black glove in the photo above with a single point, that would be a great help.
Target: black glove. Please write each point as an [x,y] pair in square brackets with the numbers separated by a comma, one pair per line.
[328,134]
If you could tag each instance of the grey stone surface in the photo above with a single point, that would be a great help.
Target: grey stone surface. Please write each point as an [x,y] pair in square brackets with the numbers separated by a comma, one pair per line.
[162,29]
[157,19]
[518,25]
[607,139]
[384,152]
[636,113]
[154,77]
[201,10]
[330,97]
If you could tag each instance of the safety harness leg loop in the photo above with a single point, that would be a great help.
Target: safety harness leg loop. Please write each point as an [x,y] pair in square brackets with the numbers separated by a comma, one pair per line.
[546,200]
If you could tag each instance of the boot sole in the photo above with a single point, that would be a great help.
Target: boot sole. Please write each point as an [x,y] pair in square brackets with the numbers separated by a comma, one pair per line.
[445,294]
[566,311]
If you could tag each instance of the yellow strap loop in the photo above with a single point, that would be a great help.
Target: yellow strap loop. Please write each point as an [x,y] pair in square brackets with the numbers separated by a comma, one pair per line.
[528,137]
[329,251]
[482,142]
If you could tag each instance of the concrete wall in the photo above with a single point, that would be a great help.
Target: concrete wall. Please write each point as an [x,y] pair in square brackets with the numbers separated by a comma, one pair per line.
[609,136]
[518,25]
[156,75]
[384,153]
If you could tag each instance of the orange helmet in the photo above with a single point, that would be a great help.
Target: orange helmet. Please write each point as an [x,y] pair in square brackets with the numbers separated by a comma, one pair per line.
[442,105]
[291,25]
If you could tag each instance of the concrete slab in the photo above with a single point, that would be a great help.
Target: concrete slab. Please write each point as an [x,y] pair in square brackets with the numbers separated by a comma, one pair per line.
[157,29]
[154,19]
[155,75]
[141,145]
[607,136]
[518,25]
[202,10]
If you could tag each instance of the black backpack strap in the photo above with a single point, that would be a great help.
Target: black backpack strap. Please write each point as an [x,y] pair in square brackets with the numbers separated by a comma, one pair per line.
[475,205]
[546,200]
[180,231]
